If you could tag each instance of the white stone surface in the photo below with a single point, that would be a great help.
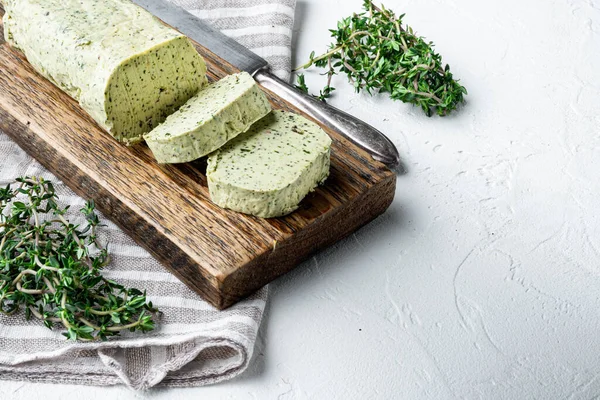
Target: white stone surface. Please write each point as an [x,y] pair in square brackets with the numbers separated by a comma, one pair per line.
[483,278]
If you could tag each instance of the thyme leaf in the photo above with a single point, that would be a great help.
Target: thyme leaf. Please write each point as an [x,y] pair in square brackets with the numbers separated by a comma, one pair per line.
[380,54]
[324,93]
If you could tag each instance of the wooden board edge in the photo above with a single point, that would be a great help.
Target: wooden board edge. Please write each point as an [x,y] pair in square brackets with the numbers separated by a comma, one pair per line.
[286,255]
[153,240]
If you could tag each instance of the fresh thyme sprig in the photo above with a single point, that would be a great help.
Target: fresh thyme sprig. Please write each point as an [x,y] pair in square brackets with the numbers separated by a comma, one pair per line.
[324,94]
[51,268]
[378,53]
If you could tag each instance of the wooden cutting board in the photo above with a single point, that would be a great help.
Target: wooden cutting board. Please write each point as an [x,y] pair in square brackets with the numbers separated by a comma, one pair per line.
[222,255]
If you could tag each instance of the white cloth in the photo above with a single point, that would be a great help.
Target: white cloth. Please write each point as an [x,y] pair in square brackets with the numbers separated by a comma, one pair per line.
[193,344]
[263,26]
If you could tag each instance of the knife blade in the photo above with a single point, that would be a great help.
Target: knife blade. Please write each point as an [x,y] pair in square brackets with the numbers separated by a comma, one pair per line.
[362,134]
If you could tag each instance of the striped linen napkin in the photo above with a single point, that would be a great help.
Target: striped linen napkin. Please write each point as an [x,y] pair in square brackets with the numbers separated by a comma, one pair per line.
[263,26]
[194,344]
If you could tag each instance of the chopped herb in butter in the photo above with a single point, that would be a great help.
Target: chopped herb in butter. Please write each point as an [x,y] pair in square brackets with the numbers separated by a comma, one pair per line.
[269,169]
[127,69]
[218,113]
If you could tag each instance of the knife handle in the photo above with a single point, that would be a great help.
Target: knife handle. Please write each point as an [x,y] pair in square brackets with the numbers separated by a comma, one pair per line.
[362,134]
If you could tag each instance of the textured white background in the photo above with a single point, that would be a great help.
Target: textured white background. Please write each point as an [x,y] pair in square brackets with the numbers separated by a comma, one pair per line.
[483,278]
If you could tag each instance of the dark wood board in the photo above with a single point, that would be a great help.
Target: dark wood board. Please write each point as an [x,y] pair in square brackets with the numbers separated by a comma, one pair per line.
[222,255]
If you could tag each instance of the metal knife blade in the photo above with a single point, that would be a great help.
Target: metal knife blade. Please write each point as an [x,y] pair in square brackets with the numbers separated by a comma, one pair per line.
[193,27]
[359,132]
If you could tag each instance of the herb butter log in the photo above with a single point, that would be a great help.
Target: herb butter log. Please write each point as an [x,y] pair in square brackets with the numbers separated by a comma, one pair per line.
[268,170]
[208,120]
[127,69]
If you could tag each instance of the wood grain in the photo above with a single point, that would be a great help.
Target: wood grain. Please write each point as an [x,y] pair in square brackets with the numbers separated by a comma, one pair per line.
[220,254]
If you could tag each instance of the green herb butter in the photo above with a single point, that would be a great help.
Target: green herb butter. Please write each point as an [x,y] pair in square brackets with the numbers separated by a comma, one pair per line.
[126,69]
[268,170]
[218,113]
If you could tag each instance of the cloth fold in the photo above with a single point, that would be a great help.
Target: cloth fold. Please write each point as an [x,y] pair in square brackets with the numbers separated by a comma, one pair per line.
[194,344]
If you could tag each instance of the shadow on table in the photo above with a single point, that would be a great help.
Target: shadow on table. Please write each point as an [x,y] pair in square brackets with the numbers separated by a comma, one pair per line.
[339,255]
[302,277]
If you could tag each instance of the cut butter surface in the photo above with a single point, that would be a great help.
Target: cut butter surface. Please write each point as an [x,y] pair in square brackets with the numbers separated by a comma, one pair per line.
[126,69]
[218,113]
[269,169]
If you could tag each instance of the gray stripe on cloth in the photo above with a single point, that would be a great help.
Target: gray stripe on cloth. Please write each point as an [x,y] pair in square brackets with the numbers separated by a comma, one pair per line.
[212,5]
[253,21]
[264,39]
[194,344]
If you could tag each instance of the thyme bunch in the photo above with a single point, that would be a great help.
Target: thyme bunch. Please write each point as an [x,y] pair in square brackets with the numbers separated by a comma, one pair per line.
[378,53]
[51,268]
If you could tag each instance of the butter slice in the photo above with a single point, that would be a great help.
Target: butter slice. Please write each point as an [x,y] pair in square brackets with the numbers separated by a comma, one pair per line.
[217,114]
[127,69]
[268,170]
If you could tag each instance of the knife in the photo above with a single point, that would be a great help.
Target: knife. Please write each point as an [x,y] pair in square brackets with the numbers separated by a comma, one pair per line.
[362,134]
